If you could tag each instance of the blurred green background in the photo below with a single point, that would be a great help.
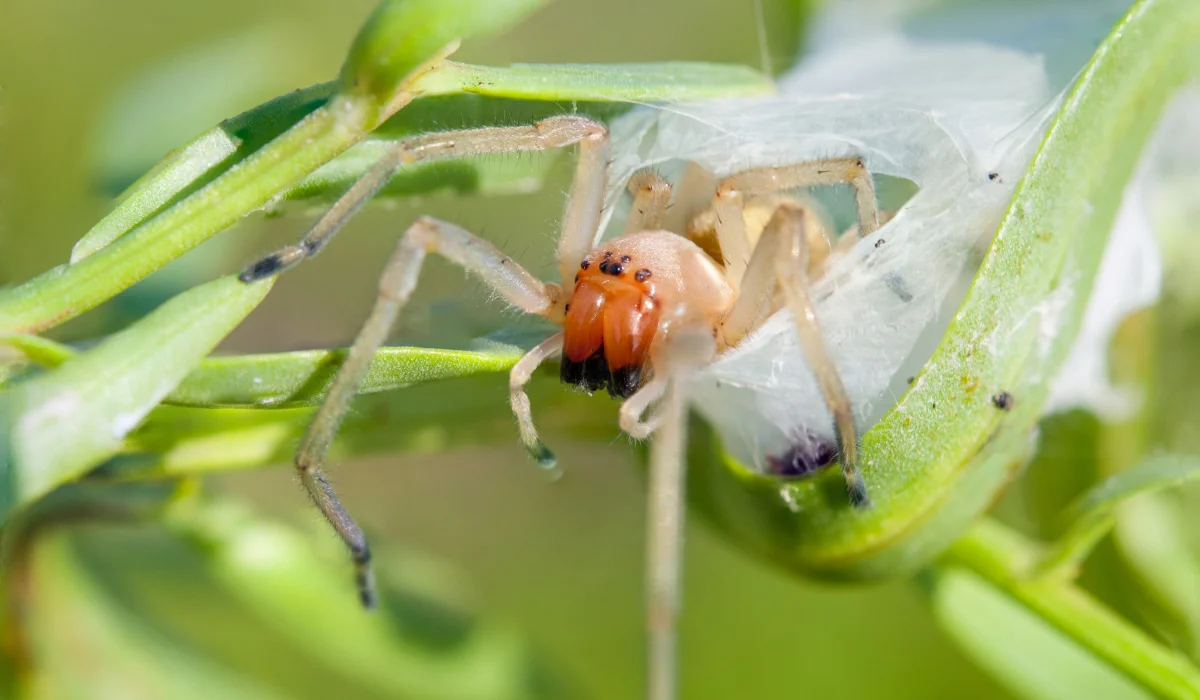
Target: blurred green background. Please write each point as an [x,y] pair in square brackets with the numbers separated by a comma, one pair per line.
[559,560]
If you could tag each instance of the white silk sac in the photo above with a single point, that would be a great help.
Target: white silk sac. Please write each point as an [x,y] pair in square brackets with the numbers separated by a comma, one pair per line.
[960,120]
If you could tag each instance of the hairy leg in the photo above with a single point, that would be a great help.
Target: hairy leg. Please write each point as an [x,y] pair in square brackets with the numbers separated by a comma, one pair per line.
[517,379]
[554,132]
[758,291]
[787,238]
[732,193]
[635,407]
[651,194]
[500,272]
[689,347]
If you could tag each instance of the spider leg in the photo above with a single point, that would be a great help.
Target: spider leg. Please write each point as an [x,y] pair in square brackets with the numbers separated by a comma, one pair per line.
[730,199]
[787,239]
[758,292]
[581,222]
[478,256]
[554,132]
[517,379]
[635,406]
[687,348]
[651,194]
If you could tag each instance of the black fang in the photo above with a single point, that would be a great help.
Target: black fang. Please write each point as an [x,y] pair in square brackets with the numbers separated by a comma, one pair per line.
[592,375]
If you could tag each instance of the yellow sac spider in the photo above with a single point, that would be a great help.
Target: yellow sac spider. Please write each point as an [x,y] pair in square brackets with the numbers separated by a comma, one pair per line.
[639,314]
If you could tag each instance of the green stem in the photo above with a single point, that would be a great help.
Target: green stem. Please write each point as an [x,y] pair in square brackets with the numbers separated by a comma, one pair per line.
[1004,558]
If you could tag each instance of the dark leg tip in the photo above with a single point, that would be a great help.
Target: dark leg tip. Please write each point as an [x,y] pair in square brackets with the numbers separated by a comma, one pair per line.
[260,270]
[367,594]
[856,489]
[543,456]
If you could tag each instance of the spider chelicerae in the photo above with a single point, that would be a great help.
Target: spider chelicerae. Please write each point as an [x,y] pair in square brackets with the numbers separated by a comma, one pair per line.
[639,312]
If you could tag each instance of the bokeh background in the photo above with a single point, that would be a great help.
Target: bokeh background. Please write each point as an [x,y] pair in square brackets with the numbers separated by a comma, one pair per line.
[561,561]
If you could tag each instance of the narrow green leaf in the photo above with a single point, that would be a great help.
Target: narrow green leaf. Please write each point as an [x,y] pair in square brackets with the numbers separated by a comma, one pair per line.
[1093,515]
[36,349]
[67,291]
[201,159]
[1018,648]
[494,175]
[403,34]
[275,151]
[1004,558]
[635,82]
[302,378]
[431,417]
[57,426]
[1155,473]
[398,37]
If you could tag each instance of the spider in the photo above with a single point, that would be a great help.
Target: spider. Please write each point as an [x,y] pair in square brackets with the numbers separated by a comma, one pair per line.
[638,314]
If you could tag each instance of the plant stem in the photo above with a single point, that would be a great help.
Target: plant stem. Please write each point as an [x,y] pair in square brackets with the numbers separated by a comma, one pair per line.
[1004,558]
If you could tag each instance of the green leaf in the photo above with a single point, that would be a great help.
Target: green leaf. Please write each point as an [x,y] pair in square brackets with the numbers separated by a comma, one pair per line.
[212,153]
[300,378]
[36,349]
[56,426]
[430,417]
[268,152]
[521,93]
[303,378]
[633,82]
[493,175]
[1018,648]
[937,459]
[1093,515]
[1155,473]
[67,291]
[1004,559]
[401,35]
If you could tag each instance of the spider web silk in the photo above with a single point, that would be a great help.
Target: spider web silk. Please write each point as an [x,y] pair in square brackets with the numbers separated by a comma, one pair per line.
[942,115]
[940,94]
